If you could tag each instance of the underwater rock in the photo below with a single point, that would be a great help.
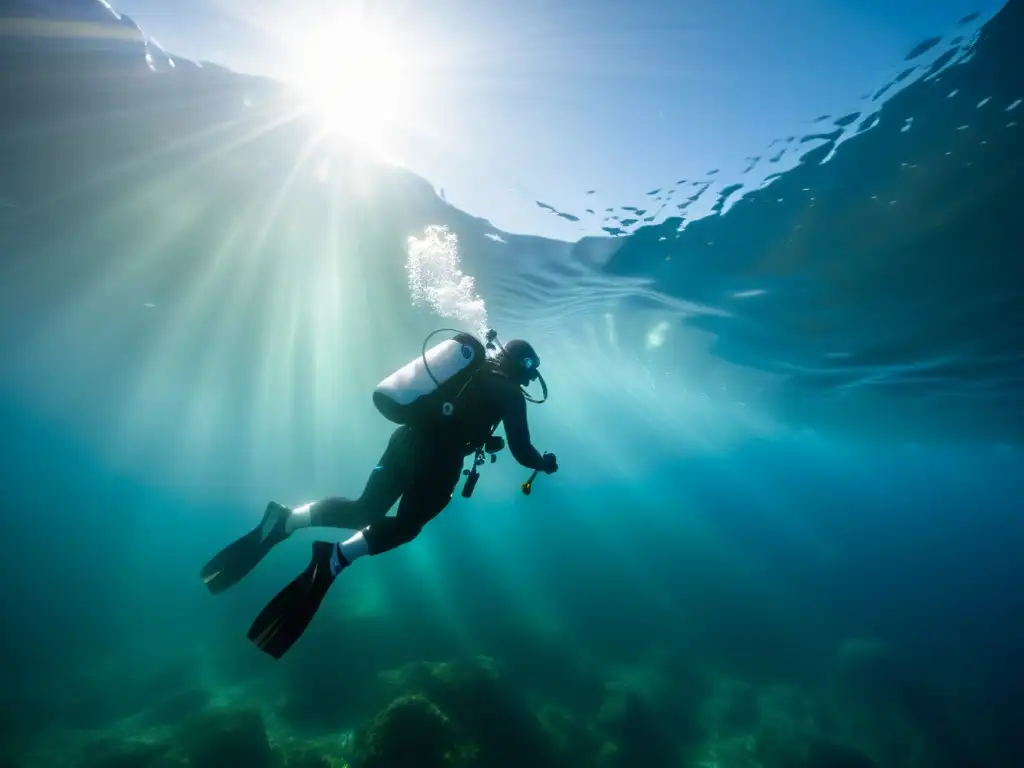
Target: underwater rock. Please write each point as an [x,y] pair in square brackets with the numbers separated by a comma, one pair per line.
[731,708]
[776,749]
[127,753]
[796,731]
[307,759]
[569,674]
[226,736]
[638,736]
[487,710]
[788,709]
[650,715]
[337,696]
[572,740]
[411,732]
[299,751]
[730,752]
[778,726]
[894,707]
[177,706]
[453,680]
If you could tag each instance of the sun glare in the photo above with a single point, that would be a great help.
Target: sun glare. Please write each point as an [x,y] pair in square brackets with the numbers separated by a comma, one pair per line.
[353,75]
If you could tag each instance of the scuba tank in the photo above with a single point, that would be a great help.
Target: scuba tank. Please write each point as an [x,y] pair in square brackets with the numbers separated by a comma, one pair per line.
[428,387]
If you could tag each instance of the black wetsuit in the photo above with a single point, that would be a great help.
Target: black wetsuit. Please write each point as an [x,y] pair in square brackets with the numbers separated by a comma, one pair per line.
[423,465]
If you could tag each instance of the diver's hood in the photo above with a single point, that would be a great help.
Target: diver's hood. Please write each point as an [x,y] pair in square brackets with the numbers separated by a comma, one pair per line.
[517,349]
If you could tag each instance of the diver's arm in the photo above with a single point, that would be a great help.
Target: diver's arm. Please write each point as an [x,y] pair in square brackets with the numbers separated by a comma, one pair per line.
[517,431]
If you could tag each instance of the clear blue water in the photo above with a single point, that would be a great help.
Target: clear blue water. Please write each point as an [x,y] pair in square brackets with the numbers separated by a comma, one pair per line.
[789,428]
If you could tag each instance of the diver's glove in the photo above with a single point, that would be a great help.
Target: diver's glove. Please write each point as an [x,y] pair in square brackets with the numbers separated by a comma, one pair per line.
[548,464]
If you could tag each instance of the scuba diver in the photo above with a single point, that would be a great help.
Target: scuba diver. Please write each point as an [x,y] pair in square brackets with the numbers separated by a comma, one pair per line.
[448,403]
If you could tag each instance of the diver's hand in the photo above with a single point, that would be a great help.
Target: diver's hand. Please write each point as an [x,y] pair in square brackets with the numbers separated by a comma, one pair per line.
[549,464]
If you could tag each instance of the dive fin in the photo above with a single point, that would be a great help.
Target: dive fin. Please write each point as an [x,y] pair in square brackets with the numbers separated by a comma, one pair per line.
[232,563]
[286,617]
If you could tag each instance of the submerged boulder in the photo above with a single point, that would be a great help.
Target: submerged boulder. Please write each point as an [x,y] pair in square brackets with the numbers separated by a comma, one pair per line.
[637,733]
[651,716]
[127,753]
[729,752]
[777,726]
[486,710]
[794,750]
[732,708]
[176,707]
[794,731]
[573,740]
[226,736]
[411,732]
[893,702]
[333,697]
[307,759]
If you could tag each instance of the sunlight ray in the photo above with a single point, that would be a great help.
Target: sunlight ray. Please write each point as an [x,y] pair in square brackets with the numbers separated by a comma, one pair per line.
[213,287]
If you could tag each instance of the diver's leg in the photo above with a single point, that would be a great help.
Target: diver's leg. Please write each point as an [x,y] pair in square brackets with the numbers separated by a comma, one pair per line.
[431,491]
[286,617]
[387,481]
[391,476]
